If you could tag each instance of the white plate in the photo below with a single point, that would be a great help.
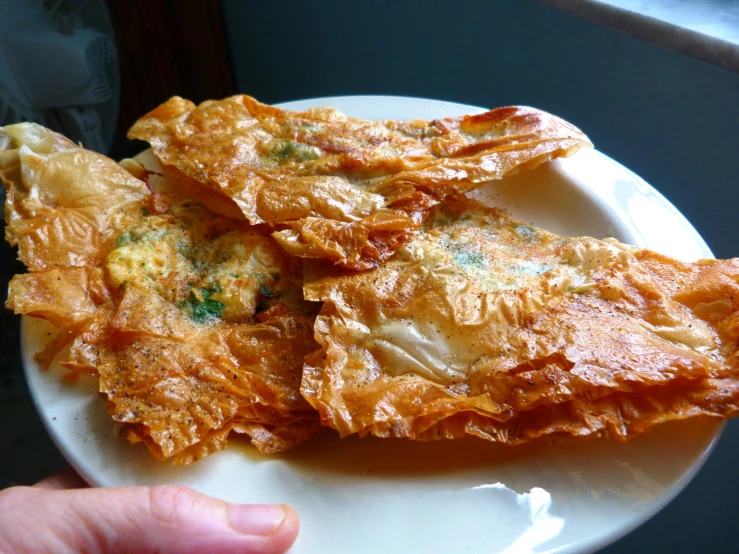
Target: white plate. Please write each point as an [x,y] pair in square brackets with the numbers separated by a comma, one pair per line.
[375,495]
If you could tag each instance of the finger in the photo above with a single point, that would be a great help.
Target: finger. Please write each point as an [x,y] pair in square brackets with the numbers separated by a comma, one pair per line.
[139,519]
[67,478]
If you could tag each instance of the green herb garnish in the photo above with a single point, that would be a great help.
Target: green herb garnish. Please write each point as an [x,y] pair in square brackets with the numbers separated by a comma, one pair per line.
[289,149]
[205,309]
[125,238]
[467,258]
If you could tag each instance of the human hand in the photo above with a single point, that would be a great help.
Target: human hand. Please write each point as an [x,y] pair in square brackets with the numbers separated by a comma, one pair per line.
[61,514]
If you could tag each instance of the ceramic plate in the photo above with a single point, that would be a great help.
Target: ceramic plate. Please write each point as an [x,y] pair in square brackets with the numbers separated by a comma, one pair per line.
[388,495]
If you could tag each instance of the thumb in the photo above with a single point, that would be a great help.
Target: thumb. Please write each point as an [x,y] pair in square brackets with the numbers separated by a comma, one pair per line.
[139,519]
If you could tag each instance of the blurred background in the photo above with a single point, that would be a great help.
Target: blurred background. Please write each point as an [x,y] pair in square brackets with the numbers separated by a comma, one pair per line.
[90,68]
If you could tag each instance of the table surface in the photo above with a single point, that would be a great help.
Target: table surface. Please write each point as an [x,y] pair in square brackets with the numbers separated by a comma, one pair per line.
[702,518]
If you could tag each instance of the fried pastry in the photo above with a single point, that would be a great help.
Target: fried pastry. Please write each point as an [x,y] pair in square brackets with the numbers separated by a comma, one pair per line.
[194,322]
[338,188]
[485,326]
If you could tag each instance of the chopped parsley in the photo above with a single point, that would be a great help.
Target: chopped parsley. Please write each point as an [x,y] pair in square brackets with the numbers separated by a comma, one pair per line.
[125,238]
[527,233]
[290,150]
[465,258]
[206,309]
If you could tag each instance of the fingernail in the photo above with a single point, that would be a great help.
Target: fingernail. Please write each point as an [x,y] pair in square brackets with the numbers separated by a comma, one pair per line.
[256,519]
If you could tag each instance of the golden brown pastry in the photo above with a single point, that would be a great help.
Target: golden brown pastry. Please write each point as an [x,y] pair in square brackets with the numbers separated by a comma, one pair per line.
[347,190]
[193,321]
[483,325]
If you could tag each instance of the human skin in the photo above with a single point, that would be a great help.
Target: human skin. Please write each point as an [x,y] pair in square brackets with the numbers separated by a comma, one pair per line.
[61,514]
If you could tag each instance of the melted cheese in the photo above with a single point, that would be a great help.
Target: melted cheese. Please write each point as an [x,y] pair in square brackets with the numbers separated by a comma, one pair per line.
[174,254]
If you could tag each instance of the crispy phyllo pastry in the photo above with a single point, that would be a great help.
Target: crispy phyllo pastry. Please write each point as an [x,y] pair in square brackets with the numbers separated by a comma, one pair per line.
[194,322]
[485,326]
[342,189]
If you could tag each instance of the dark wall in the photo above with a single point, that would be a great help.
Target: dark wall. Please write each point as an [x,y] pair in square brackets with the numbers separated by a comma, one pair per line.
[668,117]
[165,52]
